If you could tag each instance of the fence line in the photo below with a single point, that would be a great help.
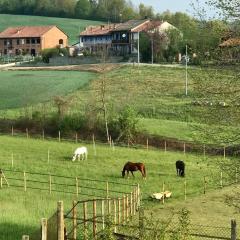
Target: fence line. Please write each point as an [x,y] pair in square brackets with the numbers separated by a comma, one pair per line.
[183,146]
[64,184]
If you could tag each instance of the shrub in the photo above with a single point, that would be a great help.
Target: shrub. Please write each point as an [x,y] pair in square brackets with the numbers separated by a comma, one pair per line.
[53,52]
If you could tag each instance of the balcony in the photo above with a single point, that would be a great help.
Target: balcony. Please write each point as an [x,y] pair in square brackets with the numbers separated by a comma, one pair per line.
[121,41]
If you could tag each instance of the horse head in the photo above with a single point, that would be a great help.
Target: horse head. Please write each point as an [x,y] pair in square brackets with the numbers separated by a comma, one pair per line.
[74,157]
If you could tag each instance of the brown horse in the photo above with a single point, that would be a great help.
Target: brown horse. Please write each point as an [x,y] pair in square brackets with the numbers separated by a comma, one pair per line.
[132,167]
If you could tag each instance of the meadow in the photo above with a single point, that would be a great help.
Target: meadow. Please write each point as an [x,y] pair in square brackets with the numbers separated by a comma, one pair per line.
[21,211]
[24,88]
[72,27]
[157,94]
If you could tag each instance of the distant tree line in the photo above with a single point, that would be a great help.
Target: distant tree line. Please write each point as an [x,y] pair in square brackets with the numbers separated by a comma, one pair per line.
[106,10]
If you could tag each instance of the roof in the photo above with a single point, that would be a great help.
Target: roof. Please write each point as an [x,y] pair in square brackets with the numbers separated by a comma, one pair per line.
[131,25]
[98,30]
[25,31]
[232,42]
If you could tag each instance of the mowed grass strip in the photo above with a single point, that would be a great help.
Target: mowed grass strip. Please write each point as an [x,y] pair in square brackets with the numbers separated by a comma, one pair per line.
[21,211]
[24,88]
[72,27]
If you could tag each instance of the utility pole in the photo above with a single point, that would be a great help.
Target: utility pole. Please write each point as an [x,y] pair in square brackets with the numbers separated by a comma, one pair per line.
[186,70]
[152,49]
[138,48]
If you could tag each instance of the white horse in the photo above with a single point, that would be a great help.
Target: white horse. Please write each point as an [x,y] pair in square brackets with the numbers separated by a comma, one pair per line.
[80,153]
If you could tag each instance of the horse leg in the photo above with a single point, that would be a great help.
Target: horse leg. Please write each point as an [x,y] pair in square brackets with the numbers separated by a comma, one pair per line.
[132,174]
[127,174]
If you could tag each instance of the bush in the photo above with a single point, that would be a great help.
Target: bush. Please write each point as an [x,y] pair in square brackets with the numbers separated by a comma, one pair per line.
[53,52]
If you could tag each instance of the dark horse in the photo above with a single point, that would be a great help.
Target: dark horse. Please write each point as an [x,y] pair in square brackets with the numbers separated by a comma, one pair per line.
[180,167]
[132,167]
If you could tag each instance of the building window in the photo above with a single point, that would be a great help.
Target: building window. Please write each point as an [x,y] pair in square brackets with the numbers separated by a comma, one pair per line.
[5,51]
[60,41]
[33,41]
[28,41]
[18,42]
[22,41]
[5,42]
[38,40]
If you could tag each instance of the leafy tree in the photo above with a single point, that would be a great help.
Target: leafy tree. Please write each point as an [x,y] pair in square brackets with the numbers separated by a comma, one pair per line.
[229,8]
[82,9]
[145,11]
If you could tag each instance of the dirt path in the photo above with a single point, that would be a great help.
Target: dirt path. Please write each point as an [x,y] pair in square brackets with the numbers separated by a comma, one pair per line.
[98,68]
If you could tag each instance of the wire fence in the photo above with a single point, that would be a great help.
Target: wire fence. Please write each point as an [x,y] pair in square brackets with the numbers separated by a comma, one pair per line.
[52,183]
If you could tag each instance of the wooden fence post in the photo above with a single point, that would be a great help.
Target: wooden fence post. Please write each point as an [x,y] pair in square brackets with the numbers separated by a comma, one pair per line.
[141,223]
[77,188]
[43,134]
[25,181]
[50,184]
[48,155]
[12,131]
[115,215]
[204,151]
[233,229]
[138,195]
[163,190]
[107,190]
[59,136]
[60,221]
[119,210]
[103,214]
[205,185]
[109,206]
[123,209]
[221,180]
[131,204]
[27,132]
[165,146]
[12,160]
[85,220]
[94,219]
[76,138]
[184,148]
[236,175]
[147,144]
[74,216]
[185,189]
[94,145]
[1,181]
[127,207]
[44,228]
[224,152]
[134,201]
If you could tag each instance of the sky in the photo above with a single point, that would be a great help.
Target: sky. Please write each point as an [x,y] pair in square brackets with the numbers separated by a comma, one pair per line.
[172,5]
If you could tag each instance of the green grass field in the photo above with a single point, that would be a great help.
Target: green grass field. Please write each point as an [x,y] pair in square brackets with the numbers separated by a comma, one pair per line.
[72,27]
[24,88]
[21,211]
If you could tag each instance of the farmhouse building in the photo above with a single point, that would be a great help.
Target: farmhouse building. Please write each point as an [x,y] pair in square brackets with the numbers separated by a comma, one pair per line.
[120,38]
[31,39]
[231,48]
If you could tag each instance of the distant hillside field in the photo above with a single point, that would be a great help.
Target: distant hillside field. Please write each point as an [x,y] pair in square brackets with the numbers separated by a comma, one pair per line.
[20,88]
[72,27]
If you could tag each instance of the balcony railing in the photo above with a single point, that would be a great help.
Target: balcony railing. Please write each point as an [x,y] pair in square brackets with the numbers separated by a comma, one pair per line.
[122,41]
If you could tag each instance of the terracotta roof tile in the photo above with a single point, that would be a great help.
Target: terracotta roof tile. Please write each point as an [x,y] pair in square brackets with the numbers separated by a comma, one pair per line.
[25,31]
[232,42]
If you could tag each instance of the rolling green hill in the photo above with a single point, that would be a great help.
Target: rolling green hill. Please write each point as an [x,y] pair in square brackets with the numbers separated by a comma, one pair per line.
[72,27]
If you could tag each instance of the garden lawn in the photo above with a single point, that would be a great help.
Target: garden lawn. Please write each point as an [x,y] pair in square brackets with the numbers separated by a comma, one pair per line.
[21,211]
